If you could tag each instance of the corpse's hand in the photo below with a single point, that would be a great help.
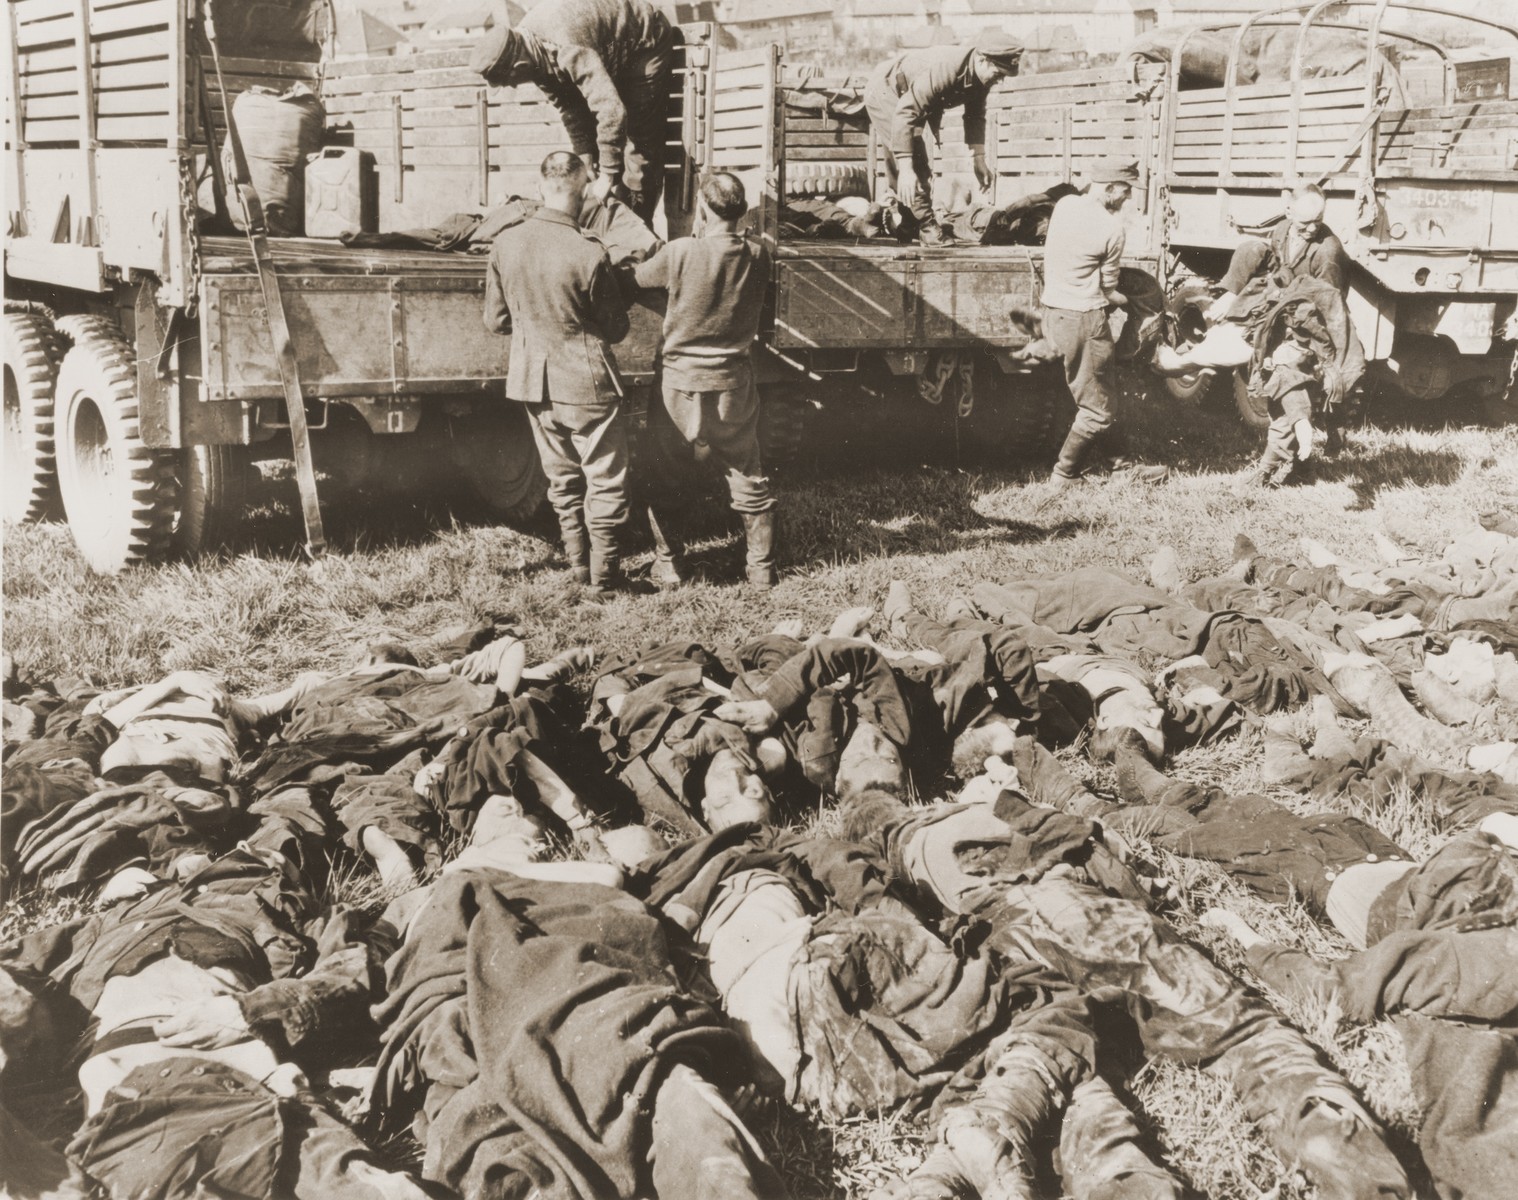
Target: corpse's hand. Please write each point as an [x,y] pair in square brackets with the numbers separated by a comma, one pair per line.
[600,188]
[207,1024]
[1220,308]
[752,716]
[129,883]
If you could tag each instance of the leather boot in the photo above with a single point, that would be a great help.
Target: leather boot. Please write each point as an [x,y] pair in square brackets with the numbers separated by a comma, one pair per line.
[759,533]
[668,569]
[576,549]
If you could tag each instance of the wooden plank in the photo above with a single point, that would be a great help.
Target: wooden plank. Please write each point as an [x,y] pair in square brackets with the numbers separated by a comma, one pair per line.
[1352,100]
[139,17]
[127,103]
[1337,133]
[851,154]
[113,50]
[749,100]
[840,138]
[729,76]
[1086,78]
[154,128]
[465,135]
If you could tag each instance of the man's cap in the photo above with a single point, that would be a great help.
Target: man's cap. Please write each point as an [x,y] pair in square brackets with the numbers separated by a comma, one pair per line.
[1115,170]
[1000,47]
[494,57]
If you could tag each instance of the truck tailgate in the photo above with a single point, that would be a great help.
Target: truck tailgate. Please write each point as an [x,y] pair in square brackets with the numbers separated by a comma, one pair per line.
[901,297]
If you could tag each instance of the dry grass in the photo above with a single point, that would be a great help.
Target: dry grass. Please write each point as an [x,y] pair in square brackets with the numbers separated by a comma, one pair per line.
[404,572]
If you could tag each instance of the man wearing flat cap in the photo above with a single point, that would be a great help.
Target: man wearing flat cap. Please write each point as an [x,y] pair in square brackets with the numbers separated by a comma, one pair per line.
[910,91]
[1082,253]
[605,65]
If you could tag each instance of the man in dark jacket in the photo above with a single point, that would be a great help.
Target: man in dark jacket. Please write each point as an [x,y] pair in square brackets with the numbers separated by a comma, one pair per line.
[551,287]
[605,65]
[911,90]
[716,284]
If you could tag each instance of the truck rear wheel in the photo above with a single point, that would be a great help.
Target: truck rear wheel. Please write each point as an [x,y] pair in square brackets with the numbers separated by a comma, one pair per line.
[1013,415]
[213,490]
[495,454]
[118,492]
[31,370]
[782,426]
[1254,411]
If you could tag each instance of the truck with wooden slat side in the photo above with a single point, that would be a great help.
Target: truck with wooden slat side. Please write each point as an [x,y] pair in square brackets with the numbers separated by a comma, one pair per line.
[151,356]
[1421,183]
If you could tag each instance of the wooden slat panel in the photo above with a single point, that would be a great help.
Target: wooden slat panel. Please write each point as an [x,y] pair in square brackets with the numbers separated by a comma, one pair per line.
[112,50]
[1338,132]
[1352,99]
[135,100]
[748,100]
[126,19]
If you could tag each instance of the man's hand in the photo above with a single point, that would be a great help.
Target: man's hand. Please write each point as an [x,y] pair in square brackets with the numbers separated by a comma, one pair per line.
[906,183]
[208,1024]
[752,716]
[983,173]
[1220,308]
[1117,299]
[600,188]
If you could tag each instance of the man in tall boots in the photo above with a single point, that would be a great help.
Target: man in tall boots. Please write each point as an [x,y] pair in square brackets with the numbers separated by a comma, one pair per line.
[716,283]
[551,287]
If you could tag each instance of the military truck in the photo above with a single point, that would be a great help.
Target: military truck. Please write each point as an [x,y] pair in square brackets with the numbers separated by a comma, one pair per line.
[151,354]
[1416,146]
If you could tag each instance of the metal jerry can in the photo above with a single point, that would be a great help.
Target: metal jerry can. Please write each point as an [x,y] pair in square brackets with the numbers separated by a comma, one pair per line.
[342,192]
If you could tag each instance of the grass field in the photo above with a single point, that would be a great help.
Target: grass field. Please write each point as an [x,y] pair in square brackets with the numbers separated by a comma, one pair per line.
[403,571]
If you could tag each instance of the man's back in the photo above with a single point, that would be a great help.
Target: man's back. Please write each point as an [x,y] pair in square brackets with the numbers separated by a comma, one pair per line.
[716,289]
[614,29]
[552,287]
[1084,244]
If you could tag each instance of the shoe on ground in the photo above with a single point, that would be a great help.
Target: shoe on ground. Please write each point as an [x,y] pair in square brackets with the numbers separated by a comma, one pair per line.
[1127,468]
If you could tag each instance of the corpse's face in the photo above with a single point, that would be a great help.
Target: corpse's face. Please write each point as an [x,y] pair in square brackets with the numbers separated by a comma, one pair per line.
[734,793]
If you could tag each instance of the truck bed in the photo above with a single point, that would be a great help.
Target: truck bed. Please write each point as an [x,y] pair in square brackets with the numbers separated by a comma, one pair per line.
[327,256]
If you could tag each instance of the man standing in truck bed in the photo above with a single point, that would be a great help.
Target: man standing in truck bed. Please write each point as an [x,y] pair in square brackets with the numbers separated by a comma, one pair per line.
[1082,254]
[605,65]
[911,90]
[551,287]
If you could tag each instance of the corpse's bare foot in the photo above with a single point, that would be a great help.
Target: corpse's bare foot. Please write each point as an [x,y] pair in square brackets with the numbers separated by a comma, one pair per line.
[1232,925]
[1165,570]
[392,863]
[852,622]
[790,627]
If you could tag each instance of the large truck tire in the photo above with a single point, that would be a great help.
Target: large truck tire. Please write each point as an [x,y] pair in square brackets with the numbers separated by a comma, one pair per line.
[1013,416]
[783,420]
[31,371]
[1213,390]
[118,493]
[213,488]
[498,463]
[1253,410]
[833,180]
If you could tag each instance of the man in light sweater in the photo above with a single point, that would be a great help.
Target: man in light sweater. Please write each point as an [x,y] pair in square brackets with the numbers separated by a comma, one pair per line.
[1082,254]
[716,284]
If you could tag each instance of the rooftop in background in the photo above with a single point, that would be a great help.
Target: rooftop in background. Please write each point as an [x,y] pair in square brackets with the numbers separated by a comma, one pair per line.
[360,32]
[751,12]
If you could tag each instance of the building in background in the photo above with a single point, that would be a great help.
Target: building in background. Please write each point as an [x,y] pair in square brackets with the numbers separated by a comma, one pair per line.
[360,34]
[803,27]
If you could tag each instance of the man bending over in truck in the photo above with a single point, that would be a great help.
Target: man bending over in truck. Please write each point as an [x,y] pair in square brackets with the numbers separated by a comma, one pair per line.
[605,65]
[716,285]
[912,89]
[551,287]
[1083,251]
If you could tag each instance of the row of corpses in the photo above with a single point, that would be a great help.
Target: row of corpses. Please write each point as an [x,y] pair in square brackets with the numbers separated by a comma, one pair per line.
[582,1025]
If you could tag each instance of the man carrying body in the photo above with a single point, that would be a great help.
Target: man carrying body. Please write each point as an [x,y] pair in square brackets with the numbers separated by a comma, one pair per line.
[1082,254]
[605,65]
[716,288]
[911,90]
[551,287]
